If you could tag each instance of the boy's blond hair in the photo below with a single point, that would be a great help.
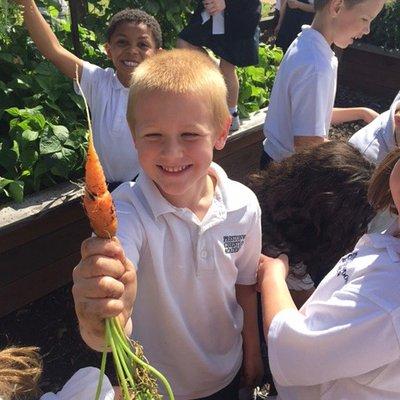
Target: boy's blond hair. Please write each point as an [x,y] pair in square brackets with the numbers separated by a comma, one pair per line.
[181,71]
[320,4]
[20,370]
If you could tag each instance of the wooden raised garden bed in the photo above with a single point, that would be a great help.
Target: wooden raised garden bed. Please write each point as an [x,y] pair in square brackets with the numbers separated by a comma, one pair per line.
[371,69]
[40,239]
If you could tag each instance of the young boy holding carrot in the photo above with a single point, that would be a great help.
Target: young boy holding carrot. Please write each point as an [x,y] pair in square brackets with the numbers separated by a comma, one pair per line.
[132,36]
[193,234]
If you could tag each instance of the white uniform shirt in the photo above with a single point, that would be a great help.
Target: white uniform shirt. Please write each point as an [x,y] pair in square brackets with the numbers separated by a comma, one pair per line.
[108,100]
[186,314]
[377,139]
[345,342]
[303,94]
[83,386]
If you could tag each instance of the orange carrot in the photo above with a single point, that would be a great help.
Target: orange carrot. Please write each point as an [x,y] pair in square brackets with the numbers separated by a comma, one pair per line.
[97,200]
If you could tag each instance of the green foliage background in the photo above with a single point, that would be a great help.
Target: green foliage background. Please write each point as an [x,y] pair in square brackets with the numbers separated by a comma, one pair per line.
[42,122]
[385,29]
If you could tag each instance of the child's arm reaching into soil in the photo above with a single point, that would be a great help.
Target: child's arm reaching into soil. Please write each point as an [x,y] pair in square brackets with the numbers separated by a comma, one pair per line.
[253,368]
[47,42]
[340,115]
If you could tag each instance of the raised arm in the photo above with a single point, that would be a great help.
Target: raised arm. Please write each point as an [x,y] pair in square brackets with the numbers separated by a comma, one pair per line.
[47,42]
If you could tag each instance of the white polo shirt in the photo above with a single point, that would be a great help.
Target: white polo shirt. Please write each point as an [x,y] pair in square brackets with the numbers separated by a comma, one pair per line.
[82,386]
[303,94]
[377,139]
[108,99]
[344,344]
[186,314]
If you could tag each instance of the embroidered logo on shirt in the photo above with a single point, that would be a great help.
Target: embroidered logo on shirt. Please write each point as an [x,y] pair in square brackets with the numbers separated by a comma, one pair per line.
[233,244]
[342,266]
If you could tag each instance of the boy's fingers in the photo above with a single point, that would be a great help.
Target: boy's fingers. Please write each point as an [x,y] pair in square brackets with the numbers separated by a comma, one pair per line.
[100,287]
[98,265]
[106,247]
[96,310]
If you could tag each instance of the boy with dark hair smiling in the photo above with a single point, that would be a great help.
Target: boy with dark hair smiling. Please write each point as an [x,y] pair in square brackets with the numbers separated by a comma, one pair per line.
[132,36]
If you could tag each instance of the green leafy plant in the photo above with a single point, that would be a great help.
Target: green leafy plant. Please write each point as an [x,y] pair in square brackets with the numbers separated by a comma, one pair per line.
[37,153]
[385,29]
[9,13]
[256,81]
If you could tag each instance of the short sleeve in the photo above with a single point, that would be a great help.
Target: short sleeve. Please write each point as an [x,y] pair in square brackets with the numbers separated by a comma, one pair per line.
[247,263]
[310,105]
[130,231]
[91,79]
[339,334]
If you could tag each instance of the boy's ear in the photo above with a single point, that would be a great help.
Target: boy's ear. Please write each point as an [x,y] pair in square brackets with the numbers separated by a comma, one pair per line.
[107,49]
[336,6]
[223,135]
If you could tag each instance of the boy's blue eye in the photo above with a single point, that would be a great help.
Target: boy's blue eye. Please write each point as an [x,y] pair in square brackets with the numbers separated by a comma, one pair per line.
[152,136]
[190,135]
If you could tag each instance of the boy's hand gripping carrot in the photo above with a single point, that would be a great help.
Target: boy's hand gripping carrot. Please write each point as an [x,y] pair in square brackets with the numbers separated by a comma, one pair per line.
[137,379]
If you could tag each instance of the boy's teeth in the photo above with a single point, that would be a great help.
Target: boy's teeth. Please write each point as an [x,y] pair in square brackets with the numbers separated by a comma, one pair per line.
[174,169]
[130,63]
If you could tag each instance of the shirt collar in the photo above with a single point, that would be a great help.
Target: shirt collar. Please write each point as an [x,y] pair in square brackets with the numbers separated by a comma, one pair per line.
[159,205]
[117,85]
[318,40]
[386,241]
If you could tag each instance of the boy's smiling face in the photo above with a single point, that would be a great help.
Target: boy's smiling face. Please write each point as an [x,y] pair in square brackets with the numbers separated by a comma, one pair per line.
[129,45]
[175,135]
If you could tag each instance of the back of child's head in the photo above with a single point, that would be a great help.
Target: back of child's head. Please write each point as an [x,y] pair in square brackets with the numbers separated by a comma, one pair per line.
[321,4]
[137,17]
[20,370]
[379,194]
[179,72]
[314,205]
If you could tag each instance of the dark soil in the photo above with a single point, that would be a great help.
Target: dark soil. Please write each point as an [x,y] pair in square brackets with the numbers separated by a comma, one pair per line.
[50,322]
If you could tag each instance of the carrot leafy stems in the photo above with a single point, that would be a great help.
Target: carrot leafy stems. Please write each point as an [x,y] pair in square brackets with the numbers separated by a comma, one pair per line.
[137,378]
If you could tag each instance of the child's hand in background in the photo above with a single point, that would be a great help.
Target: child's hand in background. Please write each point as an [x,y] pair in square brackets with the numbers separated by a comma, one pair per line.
[104,286]
[214,6]
[268,265]
[368,115]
